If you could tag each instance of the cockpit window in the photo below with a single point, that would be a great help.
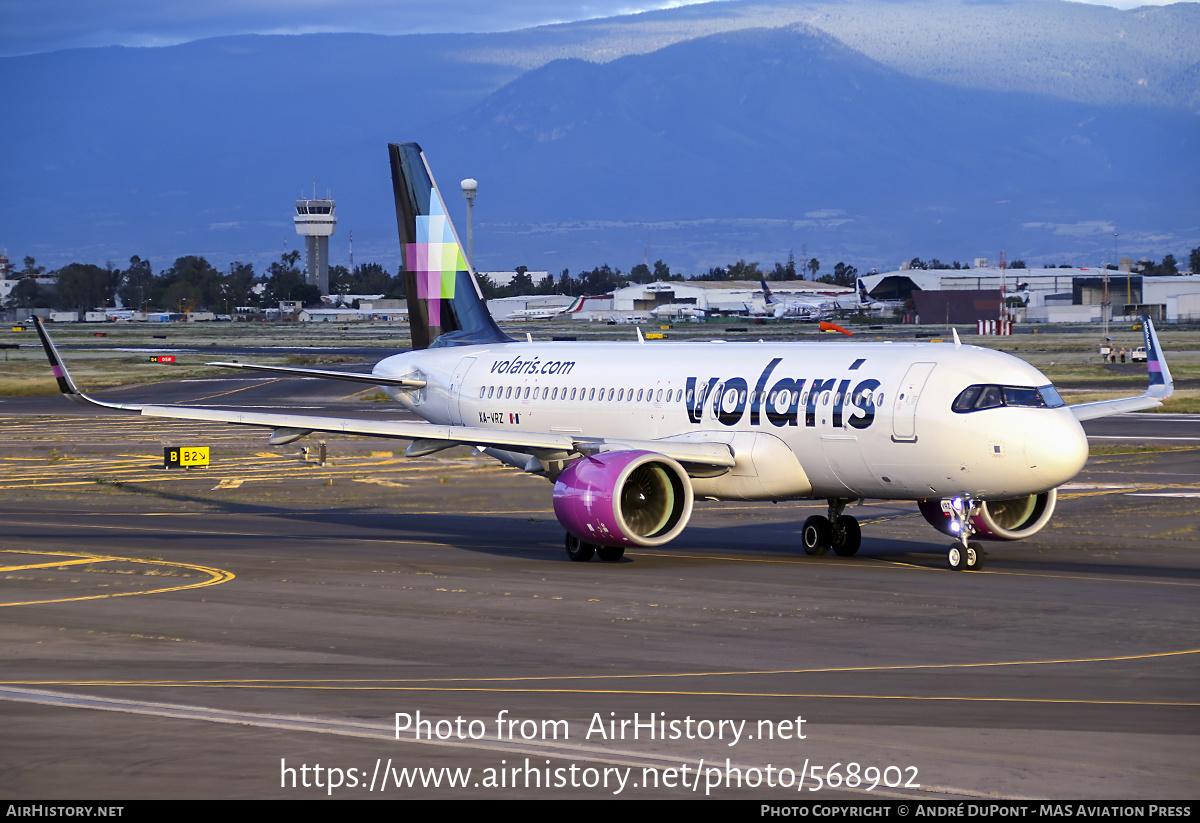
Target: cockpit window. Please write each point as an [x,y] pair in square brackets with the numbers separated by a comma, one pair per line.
[1051,396]
[978,397]
[1015,396]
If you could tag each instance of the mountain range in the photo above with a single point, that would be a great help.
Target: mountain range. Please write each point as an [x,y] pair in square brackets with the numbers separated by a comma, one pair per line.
[869,131]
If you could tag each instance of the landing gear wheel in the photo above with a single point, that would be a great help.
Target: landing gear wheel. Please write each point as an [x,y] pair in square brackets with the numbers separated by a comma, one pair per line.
[817,535]
[956,558]
[611,554]
[579,551]
[847,537]
[974,560]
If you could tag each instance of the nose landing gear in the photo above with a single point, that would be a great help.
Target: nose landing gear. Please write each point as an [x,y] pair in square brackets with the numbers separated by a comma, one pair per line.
[964,553]
[838,531]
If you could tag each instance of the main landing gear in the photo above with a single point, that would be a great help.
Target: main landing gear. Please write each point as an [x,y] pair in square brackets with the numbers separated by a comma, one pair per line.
[838,531]
[581,552]
[964,553]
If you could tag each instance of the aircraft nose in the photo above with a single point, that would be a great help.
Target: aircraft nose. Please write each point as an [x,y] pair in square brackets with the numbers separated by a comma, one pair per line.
[1056,448]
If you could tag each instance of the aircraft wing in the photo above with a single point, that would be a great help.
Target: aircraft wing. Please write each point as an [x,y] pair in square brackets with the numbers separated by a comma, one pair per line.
[1104,408]
[426,437]
[325,374]
[1160,388]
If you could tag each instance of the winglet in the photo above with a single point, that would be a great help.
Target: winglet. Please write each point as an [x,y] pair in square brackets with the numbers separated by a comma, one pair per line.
[1161,385]
[65,384]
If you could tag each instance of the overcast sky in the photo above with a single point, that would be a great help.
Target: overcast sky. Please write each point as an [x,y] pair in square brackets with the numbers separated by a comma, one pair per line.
[30,26]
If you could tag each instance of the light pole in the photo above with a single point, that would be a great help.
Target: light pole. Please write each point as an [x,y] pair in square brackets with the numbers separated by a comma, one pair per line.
[469,187]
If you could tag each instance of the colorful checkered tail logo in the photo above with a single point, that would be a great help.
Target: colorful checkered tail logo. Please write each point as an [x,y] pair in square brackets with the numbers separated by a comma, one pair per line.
[445,304]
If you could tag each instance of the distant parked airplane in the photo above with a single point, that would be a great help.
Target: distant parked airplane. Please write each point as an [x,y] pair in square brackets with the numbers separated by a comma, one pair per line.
[547,313]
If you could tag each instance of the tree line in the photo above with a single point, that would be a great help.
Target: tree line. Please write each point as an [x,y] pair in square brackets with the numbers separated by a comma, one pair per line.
[192,283]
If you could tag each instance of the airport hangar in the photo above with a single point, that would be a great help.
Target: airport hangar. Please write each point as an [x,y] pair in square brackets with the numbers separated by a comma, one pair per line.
[1056,295]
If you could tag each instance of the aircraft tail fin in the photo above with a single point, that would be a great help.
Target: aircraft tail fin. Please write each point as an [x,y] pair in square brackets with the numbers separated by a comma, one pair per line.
[445,304]
[766,293]
[863,297]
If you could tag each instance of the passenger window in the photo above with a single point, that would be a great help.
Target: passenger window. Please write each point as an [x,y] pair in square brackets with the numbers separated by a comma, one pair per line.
[508,393]
[660,396]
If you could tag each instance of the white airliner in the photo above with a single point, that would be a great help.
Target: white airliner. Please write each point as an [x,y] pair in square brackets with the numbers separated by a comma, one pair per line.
[868,303]
[818,306]
[632,433]
[805,308]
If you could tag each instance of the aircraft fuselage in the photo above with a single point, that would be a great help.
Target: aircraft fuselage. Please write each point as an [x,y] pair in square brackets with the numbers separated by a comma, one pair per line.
[862,420]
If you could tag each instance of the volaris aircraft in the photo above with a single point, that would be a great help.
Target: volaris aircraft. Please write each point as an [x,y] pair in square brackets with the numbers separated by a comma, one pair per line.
[630,434]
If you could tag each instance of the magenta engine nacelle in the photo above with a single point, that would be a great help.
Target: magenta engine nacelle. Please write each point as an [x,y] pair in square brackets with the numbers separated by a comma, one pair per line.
[624,498]
[997,519]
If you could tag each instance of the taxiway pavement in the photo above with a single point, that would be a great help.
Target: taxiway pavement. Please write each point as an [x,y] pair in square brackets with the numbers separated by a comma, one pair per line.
[200,633]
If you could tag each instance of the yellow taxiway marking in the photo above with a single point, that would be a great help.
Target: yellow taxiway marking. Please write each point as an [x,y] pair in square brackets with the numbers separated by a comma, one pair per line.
[448,684]
[215,575]
[219,534]
[53,565]
[264,382]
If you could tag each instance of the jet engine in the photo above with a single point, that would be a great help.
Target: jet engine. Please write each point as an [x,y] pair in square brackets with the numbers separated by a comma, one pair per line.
[1010,519]
[624,498]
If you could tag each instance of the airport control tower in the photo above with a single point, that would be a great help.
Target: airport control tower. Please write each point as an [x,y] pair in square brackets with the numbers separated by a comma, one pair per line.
[315,223]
